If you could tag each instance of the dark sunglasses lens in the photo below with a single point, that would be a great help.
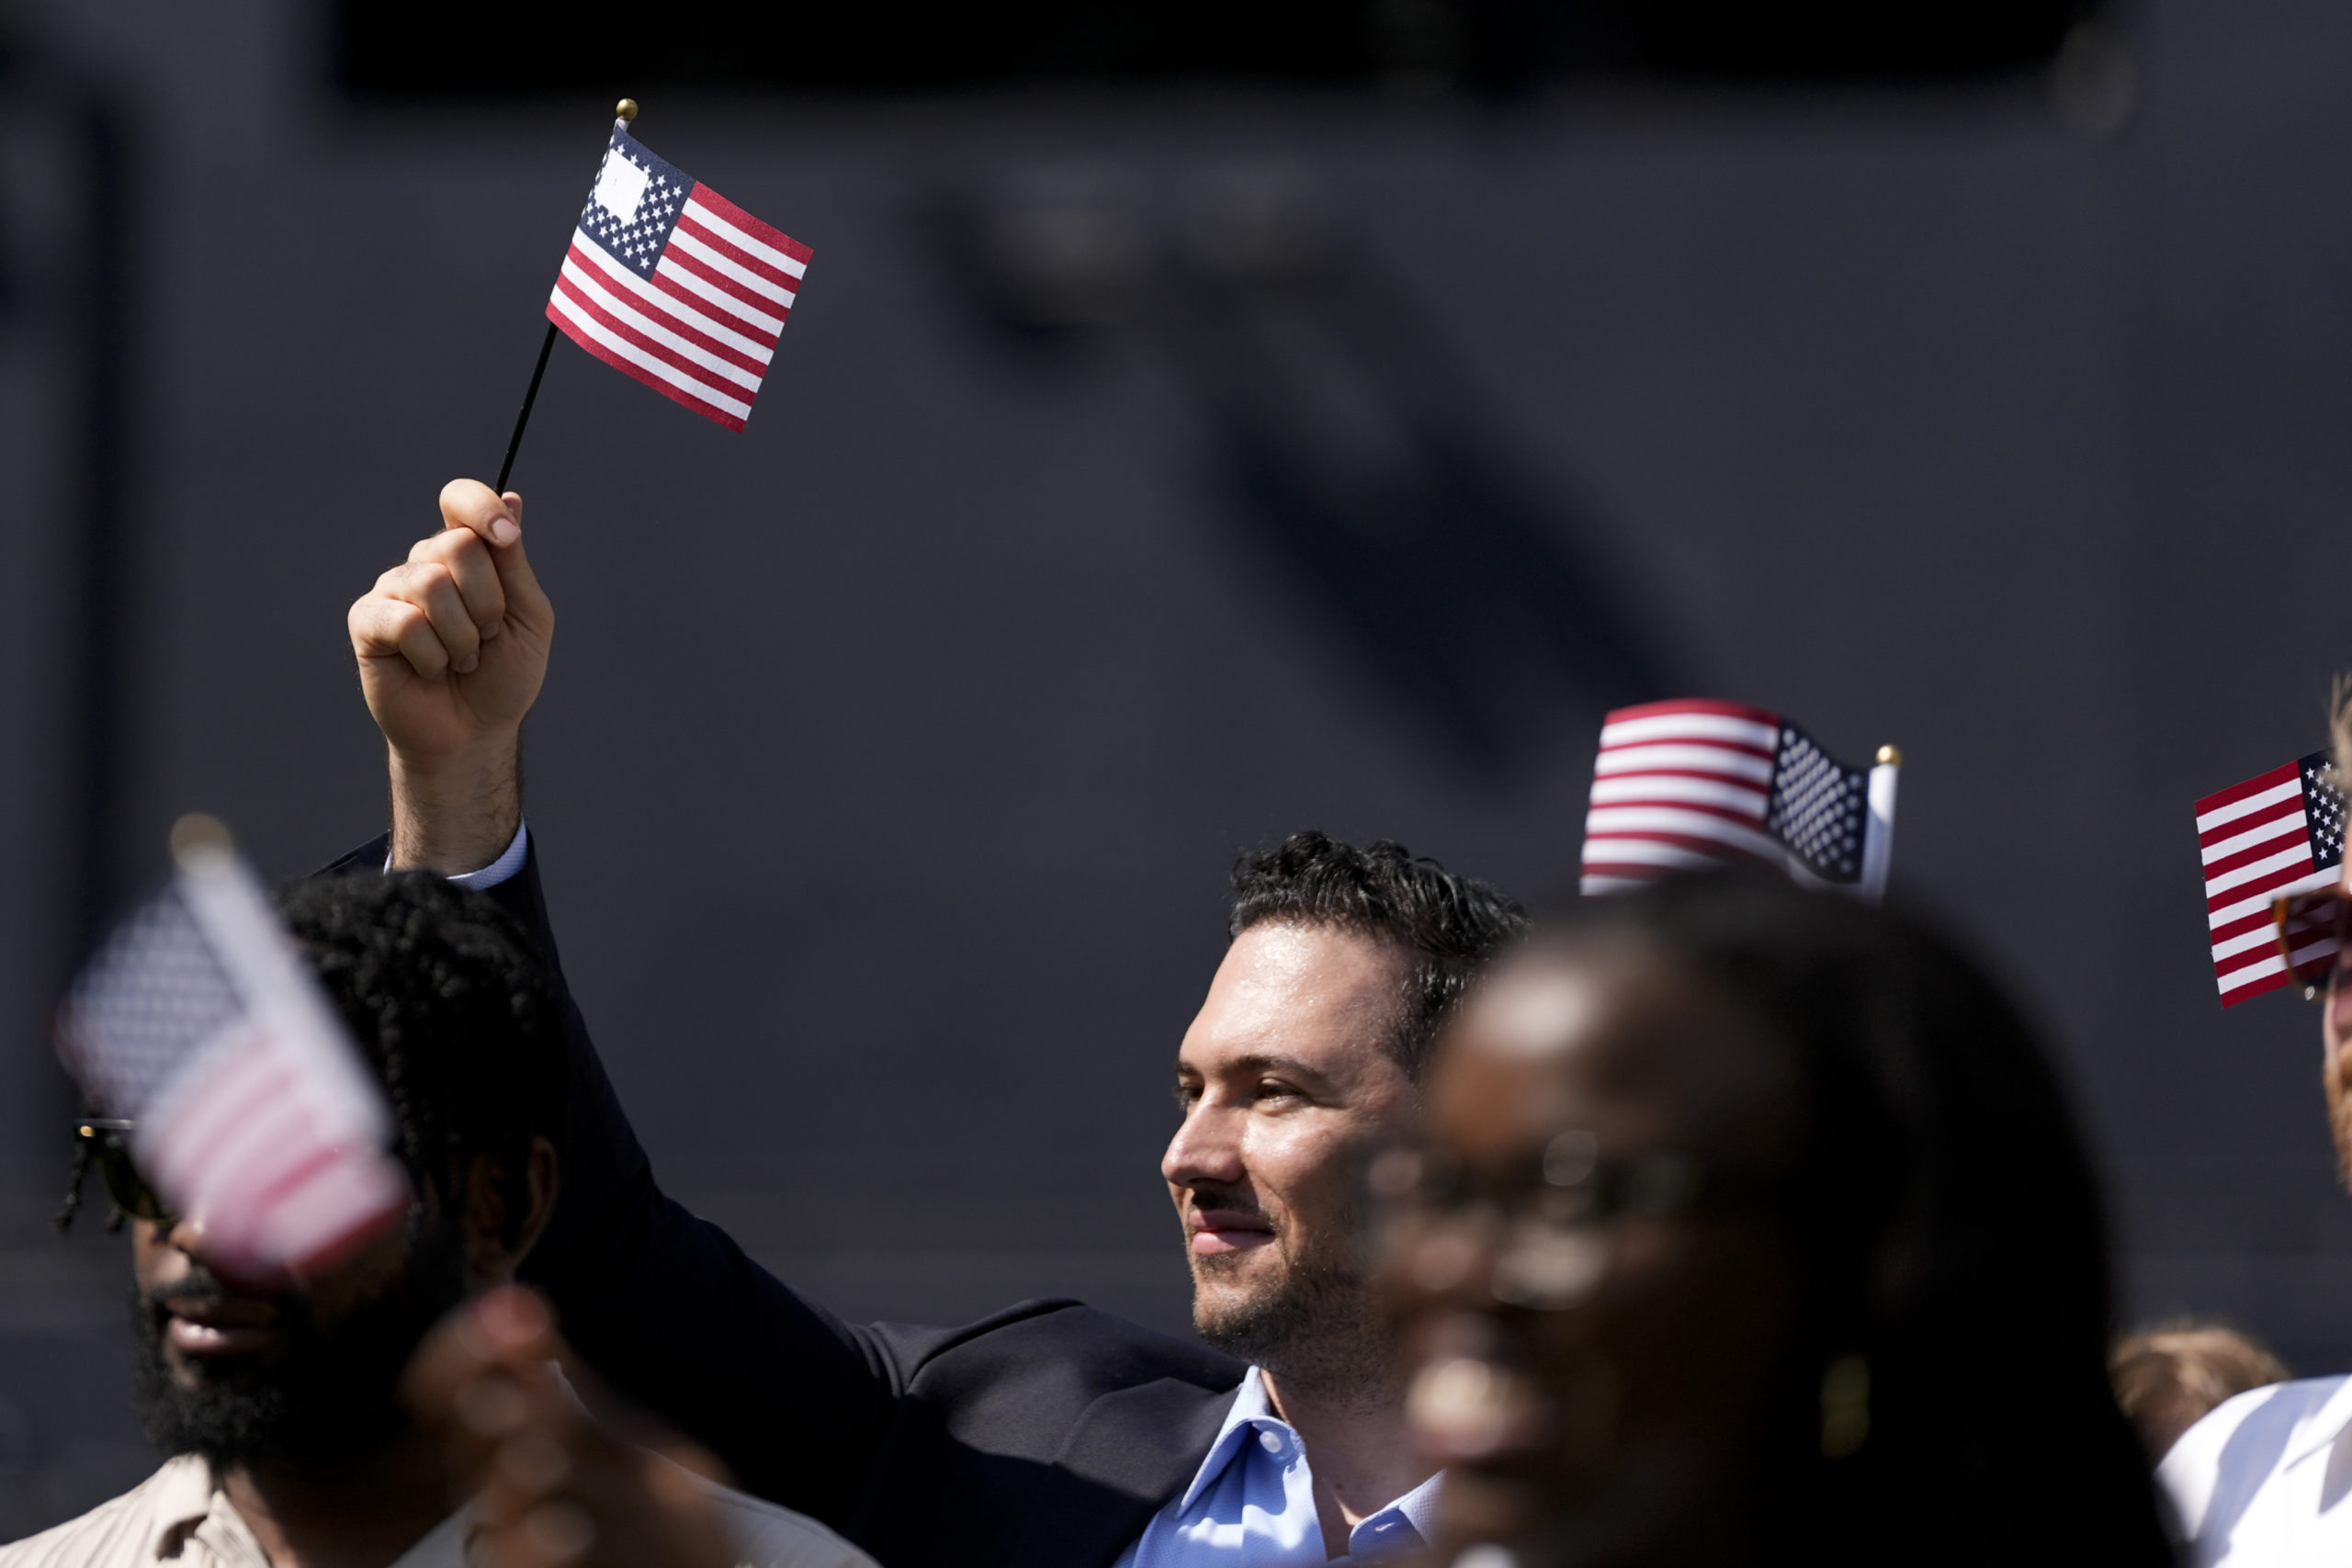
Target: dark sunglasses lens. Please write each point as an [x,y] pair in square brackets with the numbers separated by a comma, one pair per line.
[125,1187]
[2311,934]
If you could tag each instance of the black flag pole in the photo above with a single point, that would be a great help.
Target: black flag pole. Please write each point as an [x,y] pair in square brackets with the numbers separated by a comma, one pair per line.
[515,442]
[625,111]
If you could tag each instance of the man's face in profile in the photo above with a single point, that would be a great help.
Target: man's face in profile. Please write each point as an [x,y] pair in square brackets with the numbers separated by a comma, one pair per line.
[1284,1086]
[239,1375]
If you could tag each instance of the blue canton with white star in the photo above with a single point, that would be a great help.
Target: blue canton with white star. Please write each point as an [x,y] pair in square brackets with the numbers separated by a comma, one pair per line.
[2322,809]
[638,244]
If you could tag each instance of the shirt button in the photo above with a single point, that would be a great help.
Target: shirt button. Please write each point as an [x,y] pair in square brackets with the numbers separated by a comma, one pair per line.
[1271,1441]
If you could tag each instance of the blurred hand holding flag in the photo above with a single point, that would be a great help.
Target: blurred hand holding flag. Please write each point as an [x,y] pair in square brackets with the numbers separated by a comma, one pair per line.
[1697,781]
[252,1111]
[672,283]
[2277,833]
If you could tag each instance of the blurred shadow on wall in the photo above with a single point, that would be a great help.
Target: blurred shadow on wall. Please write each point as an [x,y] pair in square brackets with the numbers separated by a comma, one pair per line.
[1355,451]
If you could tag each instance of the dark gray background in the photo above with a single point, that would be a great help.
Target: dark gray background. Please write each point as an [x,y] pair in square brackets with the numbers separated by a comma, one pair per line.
[895,748]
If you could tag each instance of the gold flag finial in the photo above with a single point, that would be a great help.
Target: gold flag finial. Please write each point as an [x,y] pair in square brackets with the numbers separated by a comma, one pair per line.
[1889,756]
[626,110]
[199,840]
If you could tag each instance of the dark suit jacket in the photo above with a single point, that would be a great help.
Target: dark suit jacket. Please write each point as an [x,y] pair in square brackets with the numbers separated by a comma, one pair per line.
[1045,1436]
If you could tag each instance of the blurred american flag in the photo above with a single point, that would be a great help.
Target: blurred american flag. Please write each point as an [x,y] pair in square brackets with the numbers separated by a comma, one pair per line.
[252,1111]
[1699,782]
[2278,833]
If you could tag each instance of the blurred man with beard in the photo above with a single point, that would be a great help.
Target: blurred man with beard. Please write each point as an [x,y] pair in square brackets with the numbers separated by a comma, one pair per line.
[1050,1433]
[2266,1477]
[280,1406]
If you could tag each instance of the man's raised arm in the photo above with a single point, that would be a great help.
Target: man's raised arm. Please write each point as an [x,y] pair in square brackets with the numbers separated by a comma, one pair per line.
[453,648]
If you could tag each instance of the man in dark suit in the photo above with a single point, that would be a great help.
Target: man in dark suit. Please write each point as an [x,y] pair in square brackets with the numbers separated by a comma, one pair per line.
[1050,1433]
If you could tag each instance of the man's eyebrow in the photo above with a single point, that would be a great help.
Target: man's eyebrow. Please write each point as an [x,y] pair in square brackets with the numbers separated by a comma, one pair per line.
[1275,1062]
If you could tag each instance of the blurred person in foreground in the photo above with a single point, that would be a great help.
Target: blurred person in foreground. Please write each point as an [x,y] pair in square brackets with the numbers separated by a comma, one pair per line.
[2265,1478]
[2167,1377]
[280,1407]
[1049,1433]
[1753,1228]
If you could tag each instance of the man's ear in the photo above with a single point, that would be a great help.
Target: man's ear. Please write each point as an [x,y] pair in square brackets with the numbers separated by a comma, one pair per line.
[497,1238]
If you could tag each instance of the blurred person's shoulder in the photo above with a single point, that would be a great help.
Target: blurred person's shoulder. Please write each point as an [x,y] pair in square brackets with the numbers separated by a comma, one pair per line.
[2261,1480]
[768,1535]
[145,1525]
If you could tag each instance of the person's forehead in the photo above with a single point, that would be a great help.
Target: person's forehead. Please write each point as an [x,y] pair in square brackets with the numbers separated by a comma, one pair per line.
[1309,991]
[1613,1034]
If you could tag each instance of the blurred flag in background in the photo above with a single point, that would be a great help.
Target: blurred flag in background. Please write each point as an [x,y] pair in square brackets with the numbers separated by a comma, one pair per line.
[2278,833]
[252,1111]
[1696,782]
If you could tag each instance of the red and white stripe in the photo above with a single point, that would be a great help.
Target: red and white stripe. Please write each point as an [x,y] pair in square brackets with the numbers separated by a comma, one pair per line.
[2255,838]
[702,329]
[1680,785]
[271,1132]
[257,1146]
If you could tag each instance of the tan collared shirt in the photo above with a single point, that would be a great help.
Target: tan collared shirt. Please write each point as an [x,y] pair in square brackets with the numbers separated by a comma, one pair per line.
[178,1519]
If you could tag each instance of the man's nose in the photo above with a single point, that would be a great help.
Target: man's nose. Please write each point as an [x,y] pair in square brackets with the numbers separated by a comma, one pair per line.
[1207,1148]
[185,1234]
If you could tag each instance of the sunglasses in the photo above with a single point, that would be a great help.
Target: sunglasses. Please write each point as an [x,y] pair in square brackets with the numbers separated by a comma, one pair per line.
[108,1142]
[2312,928]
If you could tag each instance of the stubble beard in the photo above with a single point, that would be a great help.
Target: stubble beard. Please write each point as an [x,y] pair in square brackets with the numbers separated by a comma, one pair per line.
[1312,1326]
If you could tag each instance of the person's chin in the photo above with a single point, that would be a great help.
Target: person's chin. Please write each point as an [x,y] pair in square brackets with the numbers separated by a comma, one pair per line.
[1234,1287]
[1484,1504]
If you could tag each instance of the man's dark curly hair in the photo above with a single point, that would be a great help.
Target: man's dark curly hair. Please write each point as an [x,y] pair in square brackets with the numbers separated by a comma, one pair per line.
[453,1010]
[1447,926]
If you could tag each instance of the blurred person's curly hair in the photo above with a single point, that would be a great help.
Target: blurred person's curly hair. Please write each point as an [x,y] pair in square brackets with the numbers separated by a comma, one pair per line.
[1953,1230]
[1446,926]
[452,1010]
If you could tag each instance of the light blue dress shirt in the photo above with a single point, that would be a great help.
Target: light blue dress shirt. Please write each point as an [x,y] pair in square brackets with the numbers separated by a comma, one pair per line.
[1251,1504]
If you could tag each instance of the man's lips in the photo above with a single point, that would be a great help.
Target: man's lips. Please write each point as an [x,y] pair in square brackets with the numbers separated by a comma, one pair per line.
[1217,1231]
[223,1326]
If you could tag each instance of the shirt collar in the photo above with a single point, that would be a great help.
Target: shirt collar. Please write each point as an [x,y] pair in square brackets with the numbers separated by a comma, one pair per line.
[1253,1410]
[184,1495]
[1420,1507]
[2323,1427]
[182,1500]
[1252,1406]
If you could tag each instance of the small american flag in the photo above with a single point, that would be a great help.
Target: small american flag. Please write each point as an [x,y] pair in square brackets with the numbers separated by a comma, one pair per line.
[672,283]
[1697,783]
[253,1110]
[2279,832]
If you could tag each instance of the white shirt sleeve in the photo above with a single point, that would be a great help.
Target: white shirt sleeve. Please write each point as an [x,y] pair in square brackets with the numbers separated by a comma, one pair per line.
[518,849]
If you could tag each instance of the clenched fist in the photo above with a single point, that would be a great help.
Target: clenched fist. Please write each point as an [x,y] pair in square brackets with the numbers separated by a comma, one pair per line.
[452,648]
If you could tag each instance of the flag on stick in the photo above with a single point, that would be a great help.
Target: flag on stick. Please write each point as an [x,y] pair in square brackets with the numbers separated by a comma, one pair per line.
[2278,833]
[1697,783]
[672,283]
[253,1112]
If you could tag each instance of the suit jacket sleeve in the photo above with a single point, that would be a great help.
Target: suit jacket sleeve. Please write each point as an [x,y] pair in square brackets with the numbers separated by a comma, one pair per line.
[669,1311]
